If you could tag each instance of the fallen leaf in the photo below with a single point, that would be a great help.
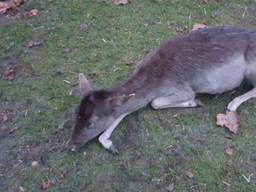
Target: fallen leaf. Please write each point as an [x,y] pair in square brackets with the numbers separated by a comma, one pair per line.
[83,27]
[62,176]
[95,73]
[17,2]
[198,26]
[170,187]
[12,130]
[45,185]
[171,24]
[21,189]
[233,121]
[179,29]
[146,25]
[9,73]
[189,174]
[35,43]
[34,163]
[221,119]
[5,118]
[129,61]
[120,2]
[32,13]
[229,151]
[4,6]
[230,120]
[9,4]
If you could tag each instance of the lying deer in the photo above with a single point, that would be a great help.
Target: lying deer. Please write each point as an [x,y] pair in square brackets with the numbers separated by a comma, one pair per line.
[211,60]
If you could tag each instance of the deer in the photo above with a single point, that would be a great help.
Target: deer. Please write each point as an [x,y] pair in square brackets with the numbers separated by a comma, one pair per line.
[212,60]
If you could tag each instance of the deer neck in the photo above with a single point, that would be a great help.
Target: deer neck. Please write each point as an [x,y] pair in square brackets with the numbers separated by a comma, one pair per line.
[139,92]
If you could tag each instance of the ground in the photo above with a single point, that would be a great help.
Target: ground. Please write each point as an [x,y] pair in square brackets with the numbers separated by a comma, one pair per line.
[166,150]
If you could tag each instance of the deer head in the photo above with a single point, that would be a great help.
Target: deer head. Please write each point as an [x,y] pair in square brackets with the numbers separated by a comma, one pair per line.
[95,113]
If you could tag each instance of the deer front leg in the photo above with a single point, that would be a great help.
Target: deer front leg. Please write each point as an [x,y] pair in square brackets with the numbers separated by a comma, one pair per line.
[181,96]
[104,137]
[162,103]
[184,99]
[235,103]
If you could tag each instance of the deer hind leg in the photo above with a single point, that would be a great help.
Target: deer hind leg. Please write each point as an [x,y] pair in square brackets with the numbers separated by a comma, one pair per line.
[235,103]
[104,137]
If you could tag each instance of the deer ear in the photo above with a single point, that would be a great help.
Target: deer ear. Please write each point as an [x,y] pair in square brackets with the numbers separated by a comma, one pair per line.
[84,85]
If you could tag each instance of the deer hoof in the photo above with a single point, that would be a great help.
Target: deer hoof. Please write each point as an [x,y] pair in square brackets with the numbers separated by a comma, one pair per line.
[199,103]
[113,150]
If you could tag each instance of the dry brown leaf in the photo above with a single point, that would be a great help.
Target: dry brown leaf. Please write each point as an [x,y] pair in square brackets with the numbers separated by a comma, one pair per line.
[230,120]
[233,121]
[179,29]
[229,151]
[4,6]
[21,189]
[12,130]
[189,174]
[3,118]
[33,13]
[129,61]
[170,187]
[146,25]
[197,26]
[120,2]
[95,73]
[45,184]
[8,4]
[17,2]
[34,163]
[9,73]
[84,27]
[35,43]
[171,24]
[221,119]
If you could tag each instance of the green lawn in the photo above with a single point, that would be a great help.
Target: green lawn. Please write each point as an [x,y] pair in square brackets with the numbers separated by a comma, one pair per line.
[157,148]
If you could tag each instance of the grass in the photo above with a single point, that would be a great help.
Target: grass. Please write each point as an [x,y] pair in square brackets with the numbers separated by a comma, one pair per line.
[157,147]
